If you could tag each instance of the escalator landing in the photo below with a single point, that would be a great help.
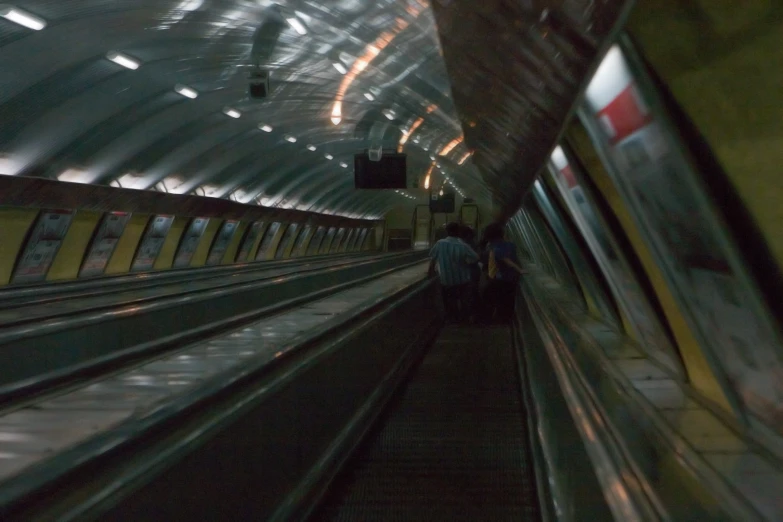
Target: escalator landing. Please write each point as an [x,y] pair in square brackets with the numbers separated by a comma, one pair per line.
[452,446]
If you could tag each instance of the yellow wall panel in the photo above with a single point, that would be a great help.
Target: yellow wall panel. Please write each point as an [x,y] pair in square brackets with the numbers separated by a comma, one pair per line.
[721,62]
[202,250]
[69,257]
[122,257]
[697,367]
[14,224]
[233,246]
[169,249]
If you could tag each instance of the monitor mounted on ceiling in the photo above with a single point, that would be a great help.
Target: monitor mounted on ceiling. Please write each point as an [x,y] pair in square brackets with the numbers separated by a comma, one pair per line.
[390,172]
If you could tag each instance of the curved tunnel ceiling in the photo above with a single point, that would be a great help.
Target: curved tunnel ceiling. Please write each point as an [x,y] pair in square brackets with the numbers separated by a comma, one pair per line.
[345,75]
[72,114]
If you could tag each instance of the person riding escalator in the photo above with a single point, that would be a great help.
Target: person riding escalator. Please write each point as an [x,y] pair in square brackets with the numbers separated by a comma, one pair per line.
[502,272]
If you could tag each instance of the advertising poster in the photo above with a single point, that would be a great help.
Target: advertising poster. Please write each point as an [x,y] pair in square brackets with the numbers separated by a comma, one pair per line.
[315,243]
[189,243]
[42,246]
[103,244]
[266,241]
[362,239]
[338,238]
[326,245]
[625,288]
[299,246]
[686,236]
[250,240]
[288,236]
[223,239]
[152,243]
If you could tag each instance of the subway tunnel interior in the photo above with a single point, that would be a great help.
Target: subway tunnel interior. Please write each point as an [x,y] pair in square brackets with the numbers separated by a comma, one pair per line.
[177,183]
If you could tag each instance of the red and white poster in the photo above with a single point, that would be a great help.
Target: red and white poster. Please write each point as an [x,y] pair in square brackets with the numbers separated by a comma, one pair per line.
[42,246]
[152,243]
[222,241]
[104,243]
[189,243]
[249,241]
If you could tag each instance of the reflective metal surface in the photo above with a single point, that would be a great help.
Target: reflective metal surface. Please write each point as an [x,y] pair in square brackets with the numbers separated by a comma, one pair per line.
[154,95]
[38,432]
[516,69]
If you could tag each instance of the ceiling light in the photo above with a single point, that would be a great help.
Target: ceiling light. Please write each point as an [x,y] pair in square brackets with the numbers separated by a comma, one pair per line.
[369,96]
[343,164]
[328,156]
[441,192]
[74,176]
[340,67]
[186,91]
[297,25]
[337,113]
[264,127]
[311,148]
[290,139]
[18,16]
[389,114]
[228,111]
[124,60]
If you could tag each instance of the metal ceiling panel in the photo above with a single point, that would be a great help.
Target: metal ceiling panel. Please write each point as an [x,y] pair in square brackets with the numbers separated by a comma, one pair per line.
[71,114]
[516,69]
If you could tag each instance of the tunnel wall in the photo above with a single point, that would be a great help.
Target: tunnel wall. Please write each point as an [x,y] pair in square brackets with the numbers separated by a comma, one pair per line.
[61,231]
[653,277]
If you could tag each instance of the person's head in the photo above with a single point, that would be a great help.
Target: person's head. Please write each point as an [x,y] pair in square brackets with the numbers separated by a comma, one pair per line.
[452,229]
[467,233]
[493,233]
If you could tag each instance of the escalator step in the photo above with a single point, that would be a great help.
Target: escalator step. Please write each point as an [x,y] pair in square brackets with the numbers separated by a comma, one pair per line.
[453,446]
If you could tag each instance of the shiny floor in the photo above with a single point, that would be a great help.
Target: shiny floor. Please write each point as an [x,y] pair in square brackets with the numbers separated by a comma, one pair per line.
[452,447]
[34,433]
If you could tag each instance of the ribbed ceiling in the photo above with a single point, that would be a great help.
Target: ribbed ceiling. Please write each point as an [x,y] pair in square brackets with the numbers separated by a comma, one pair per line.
[70,113]
[515,67]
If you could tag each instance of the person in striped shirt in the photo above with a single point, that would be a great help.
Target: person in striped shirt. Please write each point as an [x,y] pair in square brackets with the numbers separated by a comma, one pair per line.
[453,258]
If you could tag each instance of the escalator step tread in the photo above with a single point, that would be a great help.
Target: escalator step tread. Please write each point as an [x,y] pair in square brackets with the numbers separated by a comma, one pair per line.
[453,446]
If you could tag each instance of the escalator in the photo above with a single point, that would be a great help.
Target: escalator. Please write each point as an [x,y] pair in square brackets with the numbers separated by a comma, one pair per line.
[452,446]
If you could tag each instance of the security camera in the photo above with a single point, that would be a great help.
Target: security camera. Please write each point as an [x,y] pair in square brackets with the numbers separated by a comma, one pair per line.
[259,84]
[375,153]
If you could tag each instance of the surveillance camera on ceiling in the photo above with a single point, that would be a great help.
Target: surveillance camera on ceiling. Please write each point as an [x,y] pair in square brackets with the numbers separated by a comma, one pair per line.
[375,153]
[259,84]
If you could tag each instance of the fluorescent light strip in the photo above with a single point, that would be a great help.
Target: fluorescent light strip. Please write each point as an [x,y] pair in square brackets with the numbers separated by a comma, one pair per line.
[328,156]
[264,127]
[23,18]
[297,25]
[186,91]
[311,148]
[340,67]
[290,139]
[124,60]
[369,96]
[343,164]
[228,111]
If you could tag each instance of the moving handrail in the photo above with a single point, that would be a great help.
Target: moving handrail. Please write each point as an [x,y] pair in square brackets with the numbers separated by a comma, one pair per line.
[39,293]
[31,310]
[55,350]
[97,471]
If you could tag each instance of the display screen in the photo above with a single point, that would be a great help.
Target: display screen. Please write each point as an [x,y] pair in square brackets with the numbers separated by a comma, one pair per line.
[388,173]
[442,204]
